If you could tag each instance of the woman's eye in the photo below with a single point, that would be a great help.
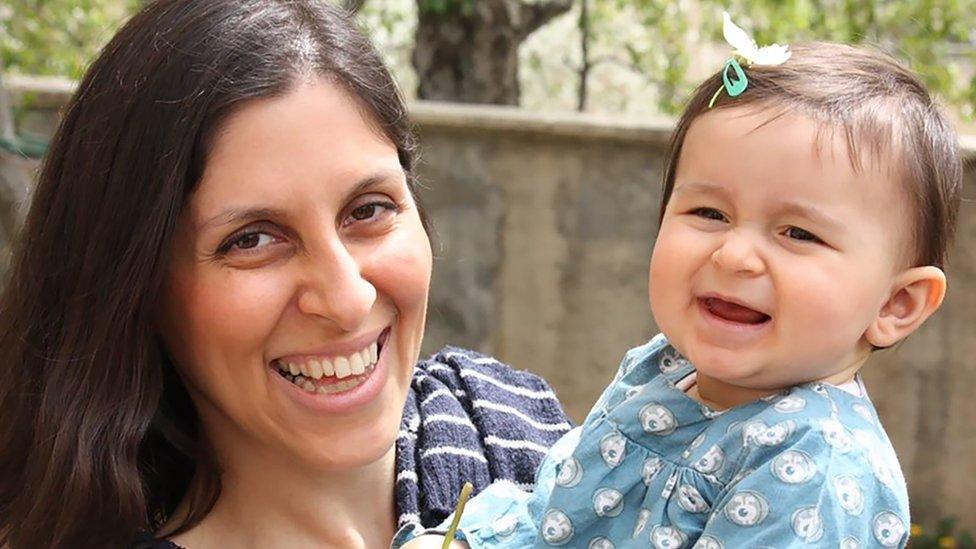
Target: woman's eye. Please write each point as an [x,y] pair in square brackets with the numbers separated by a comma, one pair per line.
[797,233]
[364,212]
[247,241]
[370,212]
[709,213]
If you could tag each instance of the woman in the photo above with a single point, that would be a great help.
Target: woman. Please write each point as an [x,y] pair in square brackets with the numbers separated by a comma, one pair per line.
[210,329]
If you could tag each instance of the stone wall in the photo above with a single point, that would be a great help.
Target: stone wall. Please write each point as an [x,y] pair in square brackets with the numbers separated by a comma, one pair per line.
[544,228]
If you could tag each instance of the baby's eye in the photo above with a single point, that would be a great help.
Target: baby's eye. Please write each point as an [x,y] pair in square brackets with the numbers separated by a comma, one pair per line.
[797,233]
[709,213]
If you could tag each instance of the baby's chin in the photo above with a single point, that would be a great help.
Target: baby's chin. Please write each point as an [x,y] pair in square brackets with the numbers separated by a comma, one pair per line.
[741,369]
[752,367]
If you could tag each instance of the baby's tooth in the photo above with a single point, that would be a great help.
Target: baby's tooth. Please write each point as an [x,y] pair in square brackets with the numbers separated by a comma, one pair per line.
[293,368]
[315,369]
[304,368]
[366,360]
[308,386]
[356,364]
[372,352]
[327,368]
[342,368]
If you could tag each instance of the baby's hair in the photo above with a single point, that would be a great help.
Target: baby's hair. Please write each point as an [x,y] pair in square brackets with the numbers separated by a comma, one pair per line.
[879,105]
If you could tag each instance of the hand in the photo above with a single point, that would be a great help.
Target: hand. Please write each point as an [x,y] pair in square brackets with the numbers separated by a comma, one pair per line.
[432,541]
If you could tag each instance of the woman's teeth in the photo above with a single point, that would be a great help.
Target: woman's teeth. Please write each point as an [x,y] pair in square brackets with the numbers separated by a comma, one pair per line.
[304,374]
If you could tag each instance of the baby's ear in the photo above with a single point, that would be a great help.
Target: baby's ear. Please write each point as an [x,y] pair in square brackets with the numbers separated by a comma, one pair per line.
[915,295]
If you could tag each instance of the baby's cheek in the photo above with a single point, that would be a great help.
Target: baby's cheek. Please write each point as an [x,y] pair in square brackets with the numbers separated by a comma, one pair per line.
[666,267]
[844,304]
[661,289]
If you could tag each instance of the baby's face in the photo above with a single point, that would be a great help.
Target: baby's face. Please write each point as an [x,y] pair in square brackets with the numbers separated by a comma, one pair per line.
[774,255]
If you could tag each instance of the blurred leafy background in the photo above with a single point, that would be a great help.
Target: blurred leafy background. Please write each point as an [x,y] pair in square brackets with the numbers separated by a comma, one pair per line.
[57,37]
[610,56]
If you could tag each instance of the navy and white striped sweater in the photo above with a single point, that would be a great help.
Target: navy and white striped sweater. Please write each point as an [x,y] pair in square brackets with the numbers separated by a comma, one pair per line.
[471,418]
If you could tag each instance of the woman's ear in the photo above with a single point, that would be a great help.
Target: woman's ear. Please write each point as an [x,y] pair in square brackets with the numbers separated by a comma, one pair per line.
[916,294]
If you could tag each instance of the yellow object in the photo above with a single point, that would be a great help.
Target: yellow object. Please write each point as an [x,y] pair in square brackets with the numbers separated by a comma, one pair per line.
[946,541]
[462,500]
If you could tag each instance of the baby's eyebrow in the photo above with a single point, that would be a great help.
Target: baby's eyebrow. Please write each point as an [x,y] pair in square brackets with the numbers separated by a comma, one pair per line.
[798,209]
[703,187]
[814,214]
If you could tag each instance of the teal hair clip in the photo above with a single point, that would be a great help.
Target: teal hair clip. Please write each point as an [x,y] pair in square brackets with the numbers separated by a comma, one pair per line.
[733,84]
[734,80]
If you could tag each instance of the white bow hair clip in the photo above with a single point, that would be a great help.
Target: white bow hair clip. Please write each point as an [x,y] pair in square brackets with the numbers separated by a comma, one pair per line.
[745,47]
[734,80]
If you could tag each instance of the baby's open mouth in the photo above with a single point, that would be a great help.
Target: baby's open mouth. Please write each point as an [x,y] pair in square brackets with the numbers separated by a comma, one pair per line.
[333,374]
[733,312]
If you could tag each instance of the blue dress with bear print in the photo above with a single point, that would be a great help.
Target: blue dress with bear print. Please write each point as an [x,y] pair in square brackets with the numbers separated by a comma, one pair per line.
[652,467]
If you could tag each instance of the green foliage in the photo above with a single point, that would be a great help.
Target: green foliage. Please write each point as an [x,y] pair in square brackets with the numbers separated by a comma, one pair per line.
[57,37]
[935,37]
[944,536]
[660,55]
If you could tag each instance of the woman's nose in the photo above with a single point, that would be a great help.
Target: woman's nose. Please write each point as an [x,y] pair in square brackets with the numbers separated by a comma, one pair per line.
[738,255]
[336,289]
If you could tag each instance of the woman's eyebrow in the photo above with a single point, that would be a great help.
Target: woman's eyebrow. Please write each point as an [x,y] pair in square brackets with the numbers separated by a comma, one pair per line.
[371,181]
[247,215]
[238,215]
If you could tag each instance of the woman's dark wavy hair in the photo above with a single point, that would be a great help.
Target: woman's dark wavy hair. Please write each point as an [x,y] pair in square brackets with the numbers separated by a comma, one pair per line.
[99,437]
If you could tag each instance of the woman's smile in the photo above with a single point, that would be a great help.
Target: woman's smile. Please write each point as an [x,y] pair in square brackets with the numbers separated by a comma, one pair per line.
[335,383]
[311,370]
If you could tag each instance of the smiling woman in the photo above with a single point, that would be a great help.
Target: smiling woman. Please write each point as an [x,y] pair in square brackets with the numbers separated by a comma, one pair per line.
[323,258]
[210,334]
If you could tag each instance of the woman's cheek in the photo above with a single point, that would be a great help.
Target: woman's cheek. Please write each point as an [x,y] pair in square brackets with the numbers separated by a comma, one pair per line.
[248,301]
[224,319]
[401,267]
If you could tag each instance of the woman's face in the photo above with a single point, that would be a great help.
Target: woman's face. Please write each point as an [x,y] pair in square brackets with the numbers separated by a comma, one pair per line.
[296,295]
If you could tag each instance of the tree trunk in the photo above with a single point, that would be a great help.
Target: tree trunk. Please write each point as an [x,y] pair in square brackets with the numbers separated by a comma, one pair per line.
[468,52]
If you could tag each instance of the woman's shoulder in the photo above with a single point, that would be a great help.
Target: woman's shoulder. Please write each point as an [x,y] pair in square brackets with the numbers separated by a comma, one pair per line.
[455,363]
[488,388]
[157,544]
[469,417]
[147,541]
[504,405]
